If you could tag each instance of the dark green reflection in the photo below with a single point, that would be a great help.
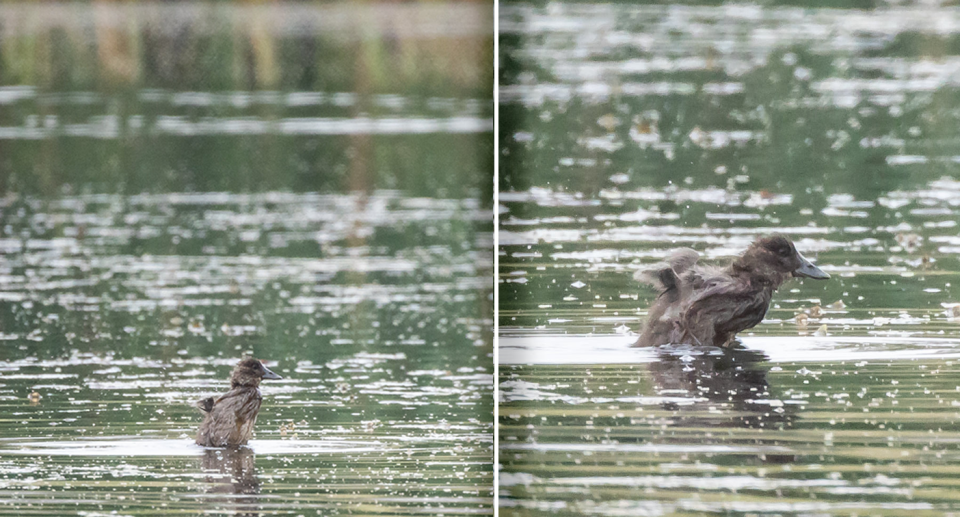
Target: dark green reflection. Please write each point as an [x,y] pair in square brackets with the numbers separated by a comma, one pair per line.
[185,184]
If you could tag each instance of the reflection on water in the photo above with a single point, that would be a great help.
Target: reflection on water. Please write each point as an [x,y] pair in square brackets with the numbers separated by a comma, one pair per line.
[185,184]
[388,431]
[138,98]
[730,380]
[714,431]
[630,130]
[232,472]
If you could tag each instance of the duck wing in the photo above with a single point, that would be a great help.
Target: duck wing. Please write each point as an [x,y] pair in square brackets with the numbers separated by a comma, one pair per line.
[674,279]
[667,275]
[206,405]
[723,307]
[245,401]
[231,418]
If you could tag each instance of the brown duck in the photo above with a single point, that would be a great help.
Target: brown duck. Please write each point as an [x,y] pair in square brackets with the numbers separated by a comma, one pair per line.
[229,419]
[705,305]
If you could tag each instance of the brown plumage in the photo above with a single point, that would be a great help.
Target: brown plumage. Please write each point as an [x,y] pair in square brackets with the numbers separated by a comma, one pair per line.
[229,419]
[704,305]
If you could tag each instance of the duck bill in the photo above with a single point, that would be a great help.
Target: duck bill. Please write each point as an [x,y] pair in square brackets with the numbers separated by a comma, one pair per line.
[269,375]
[808,270]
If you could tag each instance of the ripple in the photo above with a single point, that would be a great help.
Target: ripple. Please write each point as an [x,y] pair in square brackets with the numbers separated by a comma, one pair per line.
[134,447]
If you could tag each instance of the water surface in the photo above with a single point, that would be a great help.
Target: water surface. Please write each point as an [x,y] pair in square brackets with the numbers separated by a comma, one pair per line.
[628,131]
[185,184]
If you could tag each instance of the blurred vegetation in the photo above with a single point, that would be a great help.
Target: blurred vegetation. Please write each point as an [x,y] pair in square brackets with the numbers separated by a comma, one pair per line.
[98,63]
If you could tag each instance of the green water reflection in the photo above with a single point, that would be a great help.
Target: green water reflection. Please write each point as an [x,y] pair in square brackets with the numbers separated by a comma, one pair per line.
[183,184]
[729,435]
[204,97]
[628,131]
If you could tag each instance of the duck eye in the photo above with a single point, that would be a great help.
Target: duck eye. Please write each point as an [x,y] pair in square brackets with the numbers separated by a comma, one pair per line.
[780,248]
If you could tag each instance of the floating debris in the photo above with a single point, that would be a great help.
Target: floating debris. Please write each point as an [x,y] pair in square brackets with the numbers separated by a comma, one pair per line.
[645,127]
[288,428]
[909,241]
[608,122]
[952,310]
[698,136]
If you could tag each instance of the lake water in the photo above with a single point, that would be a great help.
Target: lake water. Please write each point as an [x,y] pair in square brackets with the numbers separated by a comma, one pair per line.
[627,131]
[184,184]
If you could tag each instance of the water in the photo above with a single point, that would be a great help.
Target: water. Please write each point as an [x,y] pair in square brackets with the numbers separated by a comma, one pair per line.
[628,131]
[183,185]
[370,432]
[730,433]
[246,98]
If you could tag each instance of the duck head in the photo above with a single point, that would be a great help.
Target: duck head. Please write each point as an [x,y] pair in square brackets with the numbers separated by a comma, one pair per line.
[777,257]
[249,372]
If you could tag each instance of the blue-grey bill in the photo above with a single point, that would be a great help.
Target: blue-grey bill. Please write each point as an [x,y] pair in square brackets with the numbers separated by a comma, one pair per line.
[808,270]
[269,375]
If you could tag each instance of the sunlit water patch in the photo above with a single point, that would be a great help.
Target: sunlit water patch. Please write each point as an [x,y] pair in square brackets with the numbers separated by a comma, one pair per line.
[132,446]
[607,349]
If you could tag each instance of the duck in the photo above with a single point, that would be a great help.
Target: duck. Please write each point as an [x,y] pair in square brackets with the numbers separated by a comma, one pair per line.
[229,419]
[707,305]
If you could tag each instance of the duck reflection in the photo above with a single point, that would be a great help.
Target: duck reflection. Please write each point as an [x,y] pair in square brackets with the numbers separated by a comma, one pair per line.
[232,472]
[706,386]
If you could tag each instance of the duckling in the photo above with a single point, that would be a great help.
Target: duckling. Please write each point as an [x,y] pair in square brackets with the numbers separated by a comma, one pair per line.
[229,419]
[704,305]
